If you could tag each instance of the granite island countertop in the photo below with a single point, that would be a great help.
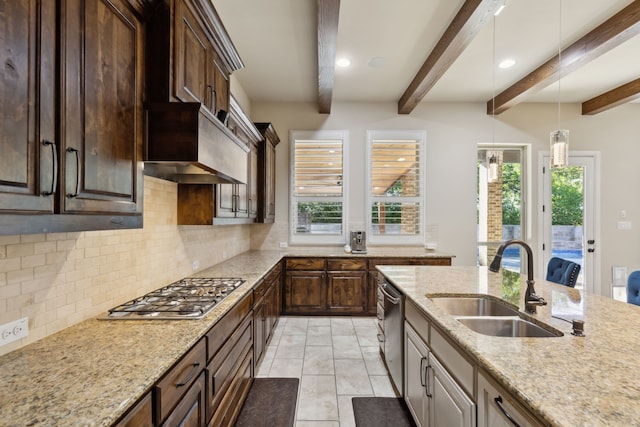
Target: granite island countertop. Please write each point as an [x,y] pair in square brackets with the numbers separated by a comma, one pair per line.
[90,373]
[565,381]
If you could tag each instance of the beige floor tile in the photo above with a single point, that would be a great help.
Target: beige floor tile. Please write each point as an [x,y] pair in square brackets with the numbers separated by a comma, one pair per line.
[346,347]
[319,321]
[367,337]
[352,377]
[317,399]
[318,424]
[319,335]
[345,410]
[342,326]
[296,326]
[286,368]
[382,386]
[291,347]
[318,360]
[373,360]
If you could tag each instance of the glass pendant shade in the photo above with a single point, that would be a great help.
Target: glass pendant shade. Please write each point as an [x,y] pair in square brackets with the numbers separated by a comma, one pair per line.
[559,148]
[493,169]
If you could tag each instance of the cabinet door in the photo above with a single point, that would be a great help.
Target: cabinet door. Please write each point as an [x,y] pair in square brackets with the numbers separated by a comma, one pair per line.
[252,203]
[450,406]
[193,60]
[305,292]
[141,415]
[225,200]
[347,292]
[416,359]
[28,165]
[190,409]
[496,408]
[101,107]
[270,183]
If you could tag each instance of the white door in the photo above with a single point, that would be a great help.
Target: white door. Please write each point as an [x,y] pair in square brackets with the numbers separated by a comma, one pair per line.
[571,233]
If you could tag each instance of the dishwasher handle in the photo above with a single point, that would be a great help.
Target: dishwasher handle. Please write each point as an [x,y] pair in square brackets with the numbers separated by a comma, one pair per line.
[395,300]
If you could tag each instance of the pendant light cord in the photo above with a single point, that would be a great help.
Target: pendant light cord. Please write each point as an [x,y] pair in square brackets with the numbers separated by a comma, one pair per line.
[559,57]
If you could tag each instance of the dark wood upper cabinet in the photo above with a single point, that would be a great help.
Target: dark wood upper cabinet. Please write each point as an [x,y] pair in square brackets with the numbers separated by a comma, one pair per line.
[191,57]
[28,167]
[71,127]
[101,99]
[267,173]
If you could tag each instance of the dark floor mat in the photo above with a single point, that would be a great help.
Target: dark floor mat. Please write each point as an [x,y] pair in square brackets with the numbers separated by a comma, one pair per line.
[271,402]
[381,412]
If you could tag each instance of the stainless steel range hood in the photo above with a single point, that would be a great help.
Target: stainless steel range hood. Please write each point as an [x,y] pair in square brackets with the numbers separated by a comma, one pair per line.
[187,144]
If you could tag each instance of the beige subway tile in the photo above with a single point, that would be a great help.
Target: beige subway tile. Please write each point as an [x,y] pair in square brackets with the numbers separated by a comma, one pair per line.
[44,247]
[32,286]
[56,236]
[56,257]
[9,240]
[56,326]
[32,238]
[65,245]
[22,275]
[23,249]
[9,291]
[33,261]
[9,264]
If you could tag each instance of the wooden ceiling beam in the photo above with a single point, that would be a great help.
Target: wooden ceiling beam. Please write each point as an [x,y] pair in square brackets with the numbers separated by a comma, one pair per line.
[467,23]
[621,27]
[621,95]
[328,12]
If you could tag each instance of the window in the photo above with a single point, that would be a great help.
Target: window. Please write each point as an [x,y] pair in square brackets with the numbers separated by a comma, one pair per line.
[318,208]
[395,187]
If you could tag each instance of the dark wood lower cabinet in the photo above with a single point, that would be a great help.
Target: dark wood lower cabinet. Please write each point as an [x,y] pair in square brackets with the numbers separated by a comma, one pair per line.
[141,415]
[339,286]
[190,410]
[346,292]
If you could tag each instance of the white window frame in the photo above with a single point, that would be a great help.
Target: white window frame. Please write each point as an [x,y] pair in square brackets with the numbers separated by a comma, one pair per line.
[317,239]
[421,137]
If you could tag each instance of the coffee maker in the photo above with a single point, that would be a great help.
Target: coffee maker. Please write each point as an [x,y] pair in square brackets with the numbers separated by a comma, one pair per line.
[358,242]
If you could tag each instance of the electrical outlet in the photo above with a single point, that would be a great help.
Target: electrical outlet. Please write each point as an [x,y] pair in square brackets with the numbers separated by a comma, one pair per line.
[624,225]
[13,331]
[196,265]
[284,245]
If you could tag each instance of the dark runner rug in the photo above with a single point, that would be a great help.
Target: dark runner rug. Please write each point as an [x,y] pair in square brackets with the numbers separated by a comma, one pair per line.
[381,412]
[271,402]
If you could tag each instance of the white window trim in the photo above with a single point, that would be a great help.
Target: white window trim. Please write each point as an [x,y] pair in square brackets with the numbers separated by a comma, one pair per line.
[334,239]
[421,137]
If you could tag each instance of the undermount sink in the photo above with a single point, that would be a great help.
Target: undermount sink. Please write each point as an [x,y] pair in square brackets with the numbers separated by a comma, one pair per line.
[506,327]
[474,306]
[491,316]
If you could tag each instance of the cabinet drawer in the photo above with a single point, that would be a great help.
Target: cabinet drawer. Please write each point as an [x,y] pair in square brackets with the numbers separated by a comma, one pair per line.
[176,382]
[305,263]
[259,289]
[225,364]
[417,320]
[343,264]
[141,415]
[373,262]
[219,333]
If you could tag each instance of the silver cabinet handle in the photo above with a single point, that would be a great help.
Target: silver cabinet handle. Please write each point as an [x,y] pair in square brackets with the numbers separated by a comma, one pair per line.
[54,178]
[504,411]
[394,300]
[75,151]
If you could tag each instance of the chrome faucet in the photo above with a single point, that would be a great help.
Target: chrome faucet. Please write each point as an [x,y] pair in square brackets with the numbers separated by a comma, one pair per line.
[531,300]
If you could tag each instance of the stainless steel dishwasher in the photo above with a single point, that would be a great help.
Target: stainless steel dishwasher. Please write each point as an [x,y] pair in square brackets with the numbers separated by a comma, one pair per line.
[390,315]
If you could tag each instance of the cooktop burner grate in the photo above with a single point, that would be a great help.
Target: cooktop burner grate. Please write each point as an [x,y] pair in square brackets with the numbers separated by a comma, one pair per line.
[189,298]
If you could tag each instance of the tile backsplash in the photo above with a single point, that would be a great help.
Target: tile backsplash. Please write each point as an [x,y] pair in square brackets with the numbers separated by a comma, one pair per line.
[61,279]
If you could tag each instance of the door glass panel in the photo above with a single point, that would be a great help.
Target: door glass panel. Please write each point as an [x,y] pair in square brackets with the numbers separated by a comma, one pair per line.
[567,215]
[499,205]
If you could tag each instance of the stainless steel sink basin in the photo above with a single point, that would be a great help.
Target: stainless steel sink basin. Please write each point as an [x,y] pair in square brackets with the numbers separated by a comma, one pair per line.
[506,327]
[474,306]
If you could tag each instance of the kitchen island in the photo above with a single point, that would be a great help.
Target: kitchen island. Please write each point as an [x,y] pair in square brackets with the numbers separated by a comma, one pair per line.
[562,381]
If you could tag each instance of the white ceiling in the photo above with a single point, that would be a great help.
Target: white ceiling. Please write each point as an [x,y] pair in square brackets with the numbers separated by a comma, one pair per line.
[276,40]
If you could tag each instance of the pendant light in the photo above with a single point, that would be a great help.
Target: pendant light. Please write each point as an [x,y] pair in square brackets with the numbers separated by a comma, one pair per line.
[492,170]
[559,139]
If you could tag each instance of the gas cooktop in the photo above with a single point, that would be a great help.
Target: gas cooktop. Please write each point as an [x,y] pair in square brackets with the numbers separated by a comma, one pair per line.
[189,298]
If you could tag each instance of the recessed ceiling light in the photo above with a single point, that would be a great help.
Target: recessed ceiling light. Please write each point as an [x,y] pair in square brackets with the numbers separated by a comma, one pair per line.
[507,63]
[343,62]
[401,159]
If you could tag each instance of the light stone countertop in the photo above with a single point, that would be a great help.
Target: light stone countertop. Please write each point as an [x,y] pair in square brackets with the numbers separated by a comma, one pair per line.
[89,374]
[566,381]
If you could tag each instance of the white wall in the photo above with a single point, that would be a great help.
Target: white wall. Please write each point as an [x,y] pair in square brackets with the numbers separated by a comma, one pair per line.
[453,131]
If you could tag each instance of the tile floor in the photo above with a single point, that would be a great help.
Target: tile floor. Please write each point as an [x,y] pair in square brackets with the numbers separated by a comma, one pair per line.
[336,358]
